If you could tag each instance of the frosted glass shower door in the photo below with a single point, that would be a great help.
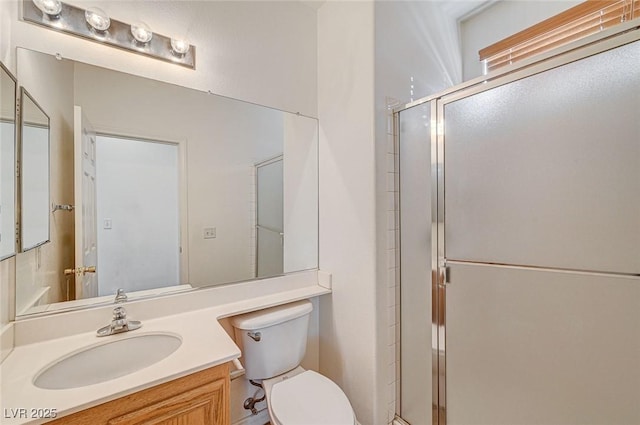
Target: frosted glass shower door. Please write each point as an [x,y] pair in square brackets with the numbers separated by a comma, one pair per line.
[542,244]
[527,346]
[545,171]
[415,401]
[269,213]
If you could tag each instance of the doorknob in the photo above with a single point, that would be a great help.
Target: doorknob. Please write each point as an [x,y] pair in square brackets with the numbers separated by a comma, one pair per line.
[80,271]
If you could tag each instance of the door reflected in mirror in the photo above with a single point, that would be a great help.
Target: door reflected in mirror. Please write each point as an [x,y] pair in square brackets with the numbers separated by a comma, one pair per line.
[176,199]
[8,90]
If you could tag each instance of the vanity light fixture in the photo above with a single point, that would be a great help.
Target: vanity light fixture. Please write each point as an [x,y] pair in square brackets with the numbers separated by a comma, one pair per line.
[97,18]
[94,24]
[51,8]
[141,32]
[179,47]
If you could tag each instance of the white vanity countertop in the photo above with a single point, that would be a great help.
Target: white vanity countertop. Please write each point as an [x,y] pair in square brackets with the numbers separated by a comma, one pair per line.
[204,344]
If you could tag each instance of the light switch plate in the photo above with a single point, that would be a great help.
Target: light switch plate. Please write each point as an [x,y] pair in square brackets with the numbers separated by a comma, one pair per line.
[209,232]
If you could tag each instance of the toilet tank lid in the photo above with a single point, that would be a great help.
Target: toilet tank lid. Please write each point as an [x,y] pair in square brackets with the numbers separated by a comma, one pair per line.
[272,316]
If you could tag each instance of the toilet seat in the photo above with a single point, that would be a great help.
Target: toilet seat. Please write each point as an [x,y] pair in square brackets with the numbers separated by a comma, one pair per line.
[310,399]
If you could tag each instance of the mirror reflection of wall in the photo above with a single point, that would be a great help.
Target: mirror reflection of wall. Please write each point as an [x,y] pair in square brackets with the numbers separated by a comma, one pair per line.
[8,88]
[218,140]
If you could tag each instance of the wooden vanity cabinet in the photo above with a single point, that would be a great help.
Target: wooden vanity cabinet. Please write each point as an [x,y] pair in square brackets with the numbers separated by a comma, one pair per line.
[198,399]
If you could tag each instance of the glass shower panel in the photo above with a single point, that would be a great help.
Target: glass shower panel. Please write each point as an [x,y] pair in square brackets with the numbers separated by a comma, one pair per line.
[529,346]
[270,195]
[545,171]
[269,226]
[415,265]
[270,253]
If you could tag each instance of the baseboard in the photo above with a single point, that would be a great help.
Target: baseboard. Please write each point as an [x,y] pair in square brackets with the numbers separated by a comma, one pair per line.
[261,418]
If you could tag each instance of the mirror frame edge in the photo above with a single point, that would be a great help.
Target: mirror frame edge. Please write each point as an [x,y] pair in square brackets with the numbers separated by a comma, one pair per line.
[19,234]
[16,108]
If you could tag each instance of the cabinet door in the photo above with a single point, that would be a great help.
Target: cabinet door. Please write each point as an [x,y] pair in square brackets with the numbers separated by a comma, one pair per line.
[200,406]
[198,399]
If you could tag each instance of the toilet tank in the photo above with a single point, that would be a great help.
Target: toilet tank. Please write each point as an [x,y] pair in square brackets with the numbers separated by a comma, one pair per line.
[282,338]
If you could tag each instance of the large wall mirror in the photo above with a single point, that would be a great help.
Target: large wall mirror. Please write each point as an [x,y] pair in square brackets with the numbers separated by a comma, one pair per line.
[157,188]
[34,173]
[8,92]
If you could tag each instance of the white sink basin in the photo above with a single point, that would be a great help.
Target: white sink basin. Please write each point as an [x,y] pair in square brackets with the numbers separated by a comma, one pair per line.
[106,361]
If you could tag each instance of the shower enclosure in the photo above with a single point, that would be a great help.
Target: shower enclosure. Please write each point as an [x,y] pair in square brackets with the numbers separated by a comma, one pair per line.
[520,242]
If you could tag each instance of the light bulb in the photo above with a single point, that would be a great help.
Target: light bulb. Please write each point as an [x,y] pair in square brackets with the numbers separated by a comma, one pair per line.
[97,18]
[141,32]
[179,47]
[49,7]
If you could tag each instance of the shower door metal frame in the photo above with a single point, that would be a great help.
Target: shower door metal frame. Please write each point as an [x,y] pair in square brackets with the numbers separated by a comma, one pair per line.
[257,227]
[608,39]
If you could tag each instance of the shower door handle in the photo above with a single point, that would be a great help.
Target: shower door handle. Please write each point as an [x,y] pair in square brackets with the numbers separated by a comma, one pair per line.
[444,273]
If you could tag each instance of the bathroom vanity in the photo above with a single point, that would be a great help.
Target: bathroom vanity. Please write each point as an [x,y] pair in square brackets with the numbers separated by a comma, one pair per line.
[201,398]
[187,384]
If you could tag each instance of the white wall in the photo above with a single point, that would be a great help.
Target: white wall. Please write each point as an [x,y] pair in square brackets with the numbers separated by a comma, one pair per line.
[348,319]
[300,193]
[499,21]
[137,186]
[259,51]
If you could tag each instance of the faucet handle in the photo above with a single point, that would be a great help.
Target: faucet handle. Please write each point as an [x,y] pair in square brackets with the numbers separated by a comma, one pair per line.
[119,313]
[119,323]
[120,296]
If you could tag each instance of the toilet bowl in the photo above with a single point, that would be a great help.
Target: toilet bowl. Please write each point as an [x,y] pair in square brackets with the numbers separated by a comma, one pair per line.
[273,342]
[304,397]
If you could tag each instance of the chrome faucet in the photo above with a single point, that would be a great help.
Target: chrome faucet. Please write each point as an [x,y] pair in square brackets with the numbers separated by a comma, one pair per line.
[120,296]
[119,322]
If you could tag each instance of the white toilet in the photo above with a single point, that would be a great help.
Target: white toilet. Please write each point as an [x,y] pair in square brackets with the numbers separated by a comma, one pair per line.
[273,343]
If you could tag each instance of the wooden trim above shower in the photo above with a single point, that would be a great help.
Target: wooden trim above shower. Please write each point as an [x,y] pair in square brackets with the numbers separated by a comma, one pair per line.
[573,24]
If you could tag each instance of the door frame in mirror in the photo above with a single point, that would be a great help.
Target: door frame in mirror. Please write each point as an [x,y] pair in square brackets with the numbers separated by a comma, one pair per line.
[20,175]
